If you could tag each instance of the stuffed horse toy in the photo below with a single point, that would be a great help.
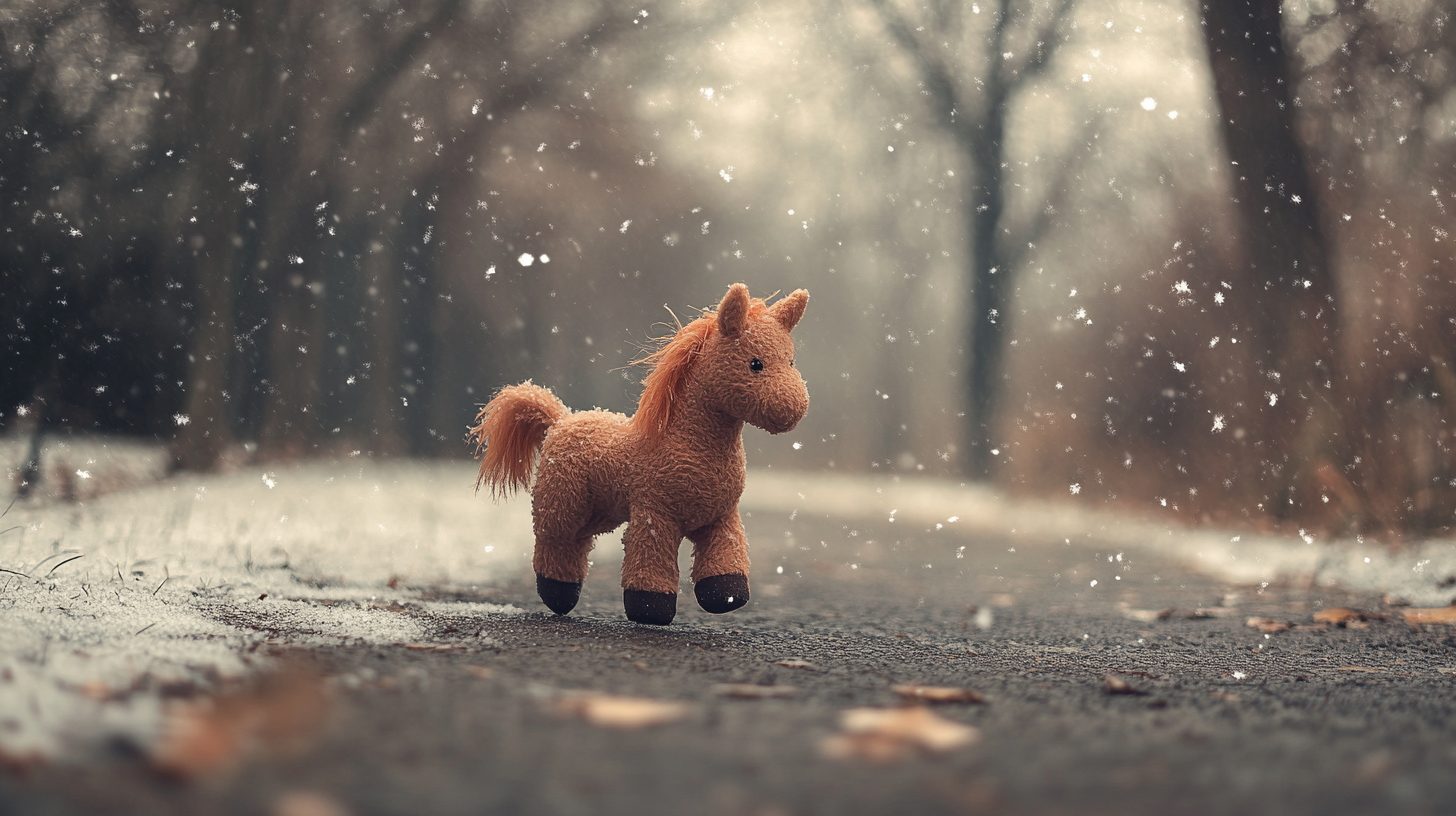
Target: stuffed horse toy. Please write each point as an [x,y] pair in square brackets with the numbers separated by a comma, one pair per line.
[674,469]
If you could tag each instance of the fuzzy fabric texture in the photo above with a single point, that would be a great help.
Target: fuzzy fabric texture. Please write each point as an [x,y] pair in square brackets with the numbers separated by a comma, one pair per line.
[673,470]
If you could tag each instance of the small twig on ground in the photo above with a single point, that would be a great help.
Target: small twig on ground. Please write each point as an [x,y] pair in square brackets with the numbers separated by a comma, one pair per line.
[13,572]
[10,505]
[145,628]
[159,586]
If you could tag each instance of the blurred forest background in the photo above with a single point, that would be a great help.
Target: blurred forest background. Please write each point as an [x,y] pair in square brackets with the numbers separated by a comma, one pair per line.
[1189,258]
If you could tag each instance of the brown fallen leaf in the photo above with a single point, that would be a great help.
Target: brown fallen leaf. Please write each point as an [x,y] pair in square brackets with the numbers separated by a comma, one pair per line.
[434,647]
[1203,613]
[611,711]
[797,663]
[753,691]
[938,694]
[1266,625]
[308,803]
[892,734]
[1338,615]
[1440,614]
[1116,684]
[278,713]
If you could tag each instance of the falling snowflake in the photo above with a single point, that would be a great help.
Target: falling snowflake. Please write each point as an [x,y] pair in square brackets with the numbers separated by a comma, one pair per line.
[1272,397]
[1217,423]
[526,259]
[181,419]
[726,174]
[1182,288]
[1179,366]
[84,474]
[625,225]
[268,480]
[1149,103]
[1076,488]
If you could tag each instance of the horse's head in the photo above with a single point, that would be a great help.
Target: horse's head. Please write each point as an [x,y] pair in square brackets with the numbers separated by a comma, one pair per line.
[738,361]
[747,367]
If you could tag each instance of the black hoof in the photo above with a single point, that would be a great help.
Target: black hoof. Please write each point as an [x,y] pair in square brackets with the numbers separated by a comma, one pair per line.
[656,608]
[559,596]
[722,593]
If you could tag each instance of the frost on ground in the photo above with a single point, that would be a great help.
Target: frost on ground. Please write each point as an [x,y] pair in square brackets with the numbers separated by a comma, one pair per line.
[1420,574]
[178,581]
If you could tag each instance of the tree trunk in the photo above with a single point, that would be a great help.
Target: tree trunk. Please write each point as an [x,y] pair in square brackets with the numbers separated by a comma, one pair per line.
[1292,290]
[226,93]
[382,299]
[988,294]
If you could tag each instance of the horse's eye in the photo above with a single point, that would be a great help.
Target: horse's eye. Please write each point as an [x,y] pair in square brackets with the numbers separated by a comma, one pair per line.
[755,364]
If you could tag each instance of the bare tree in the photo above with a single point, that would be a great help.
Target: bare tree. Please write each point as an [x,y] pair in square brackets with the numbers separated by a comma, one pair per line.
[1294,308]
[970,93]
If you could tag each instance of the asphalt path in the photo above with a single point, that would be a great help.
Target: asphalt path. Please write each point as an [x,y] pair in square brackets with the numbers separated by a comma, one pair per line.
[1203,712]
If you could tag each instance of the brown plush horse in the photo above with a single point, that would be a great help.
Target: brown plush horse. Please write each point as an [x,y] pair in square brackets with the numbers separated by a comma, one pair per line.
[674,469]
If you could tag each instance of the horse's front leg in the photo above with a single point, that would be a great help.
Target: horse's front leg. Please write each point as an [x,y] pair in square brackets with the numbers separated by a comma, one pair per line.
[720,565]
[649,567]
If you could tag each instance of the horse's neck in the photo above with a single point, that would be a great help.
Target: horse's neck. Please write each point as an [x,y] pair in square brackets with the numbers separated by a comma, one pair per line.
[699,426]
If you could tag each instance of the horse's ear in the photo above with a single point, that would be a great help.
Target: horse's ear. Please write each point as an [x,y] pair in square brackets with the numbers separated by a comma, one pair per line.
[788,310]
[733,311]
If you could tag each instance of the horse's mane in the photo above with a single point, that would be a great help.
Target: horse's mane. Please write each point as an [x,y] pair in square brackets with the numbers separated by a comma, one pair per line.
[671,363]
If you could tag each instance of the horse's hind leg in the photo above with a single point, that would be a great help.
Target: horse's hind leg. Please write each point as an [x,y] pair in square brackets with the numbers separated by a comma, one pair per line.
[560,559]
[561,594]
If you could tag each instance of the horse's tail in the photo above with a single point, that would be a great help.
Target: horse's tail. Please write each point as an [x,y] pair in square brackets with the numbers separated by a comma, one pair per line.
[508,431]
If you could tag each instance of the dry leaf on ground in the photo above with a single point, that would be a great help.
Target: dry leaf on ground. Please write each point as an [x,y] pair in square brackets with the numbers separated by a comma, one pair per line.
[797,663]
[1338,615]
[1440,614]
[938,694]
[610,711]
[753,691]
[279,713]
[308,803]
[1116,684]
[1266,625]
[435,647]
[892,734]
